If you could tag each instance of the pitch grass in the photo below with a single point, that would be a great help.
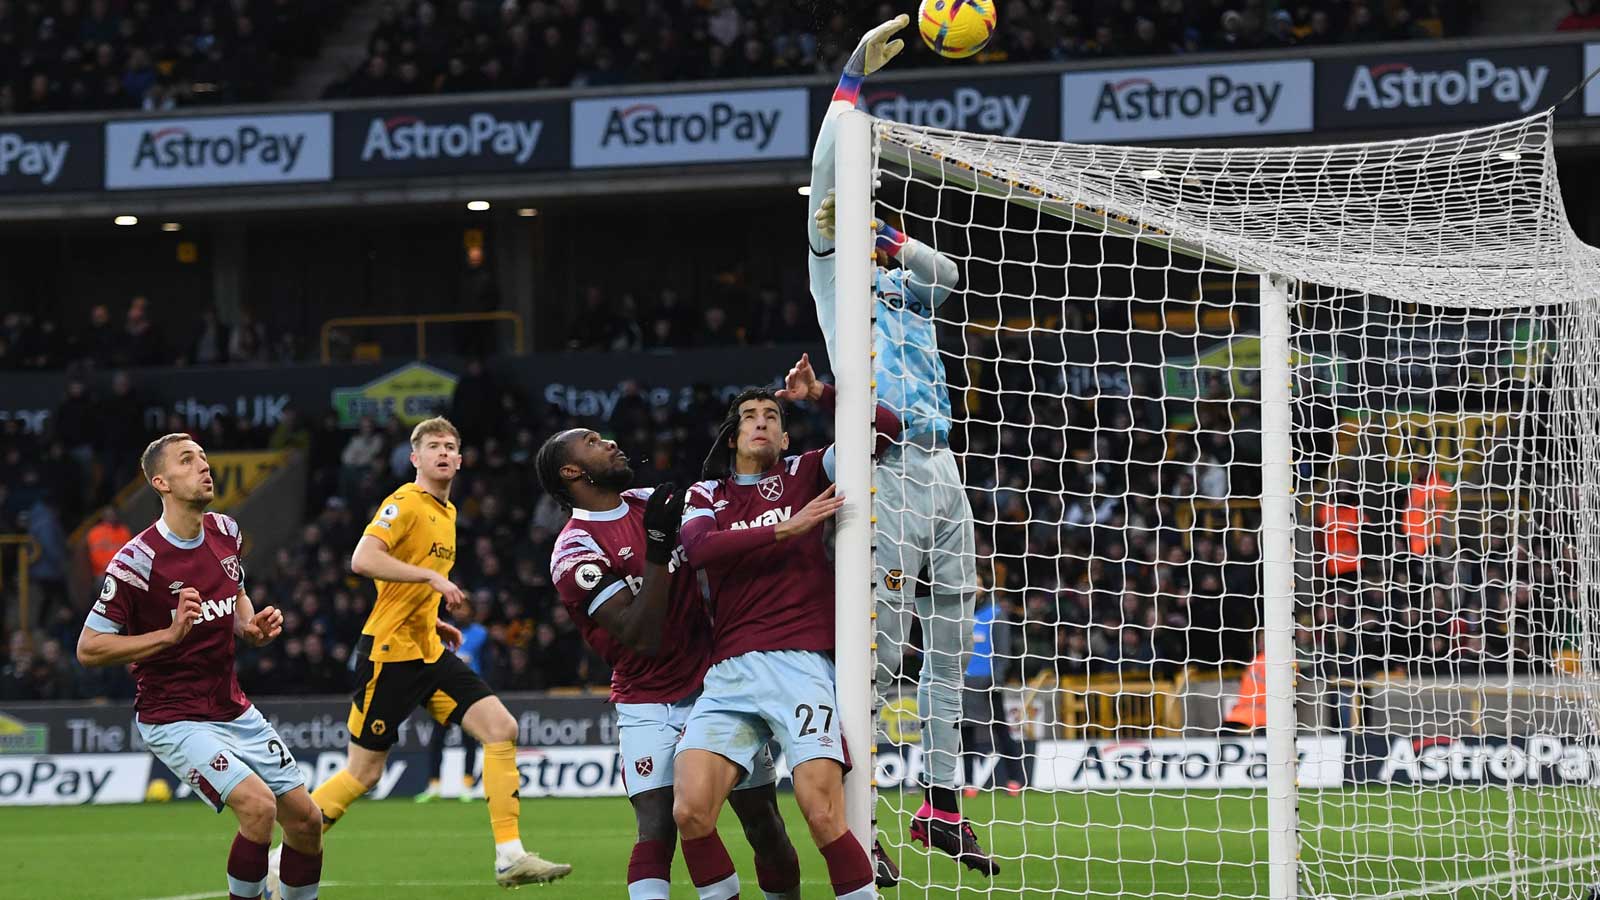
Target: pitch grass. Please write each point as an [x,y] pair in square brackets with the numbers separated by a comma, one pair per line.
[1133,844]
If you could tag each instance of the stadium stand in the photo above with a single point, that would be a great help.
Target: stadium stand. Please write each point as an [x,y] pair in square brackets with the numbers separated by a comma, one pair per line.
[425,47]
[114,54]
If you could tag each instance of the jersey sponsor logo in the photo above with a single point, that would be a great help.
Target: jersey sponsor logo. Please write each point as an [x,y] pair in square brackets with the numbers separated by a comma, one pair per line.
[211,610]
[644,765]
[233,568]
[1397,85]
[587,576]
[770,488]
[442,551]
[770,517]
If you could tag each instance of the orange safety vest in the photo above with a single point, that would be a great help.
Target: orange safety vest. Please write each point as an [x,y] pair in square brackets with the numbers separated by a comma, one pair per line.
[1251,710]
[1423,513]
[1341,536]
[104,540]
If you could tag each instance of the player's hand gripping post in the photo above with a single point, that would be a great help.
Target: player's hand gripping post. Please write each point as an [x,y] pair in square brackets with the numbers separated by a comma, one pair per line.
[819,510]
[801,383]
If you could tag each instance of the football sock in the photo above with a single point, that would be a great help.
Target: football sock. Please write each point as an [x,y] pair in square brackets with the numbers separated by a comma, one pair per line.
[779,877]
[944,800]
[929,811]
[247,869]
[501,784]
[335,796]
[849,868]
[710,868]
[299,875]
[649,871]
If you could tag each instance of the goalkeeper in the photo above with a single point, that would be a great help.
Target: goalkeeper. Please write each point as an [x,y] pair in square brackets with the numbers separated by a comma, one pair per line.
[924,523]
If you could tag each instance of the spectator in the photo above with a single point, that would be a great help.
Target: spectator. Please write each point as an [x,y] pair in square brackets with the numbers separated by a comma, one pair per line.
[210,344]
[360,452]
[104,539]
[1583,17]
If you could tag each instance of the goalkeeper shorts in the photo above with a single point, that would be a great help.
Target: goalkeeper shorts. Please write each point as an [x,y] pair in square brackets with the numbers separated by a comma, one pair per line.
[924,523]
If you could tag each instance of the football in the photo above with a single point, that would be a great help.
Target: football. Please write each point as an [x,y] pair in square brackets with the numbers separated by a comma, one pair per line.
[956,29]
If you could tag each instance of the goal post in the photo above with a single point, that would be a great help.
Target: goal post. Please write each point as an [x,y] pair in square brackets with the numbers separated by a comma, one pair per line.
[1284,468]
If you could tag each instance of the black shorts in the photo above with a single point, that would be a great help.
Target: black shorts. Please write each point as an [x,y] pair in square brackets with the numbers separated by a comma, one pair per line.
[387,692]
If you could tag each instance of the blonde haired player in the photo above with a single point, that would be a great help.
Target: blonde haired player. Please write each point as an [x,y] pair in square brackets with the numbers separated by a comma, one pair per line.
[408,549]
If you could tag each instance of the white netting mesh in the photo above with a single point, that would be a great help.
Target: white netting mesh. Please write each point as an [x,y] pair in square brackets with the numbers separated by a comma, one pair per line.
[1102,358]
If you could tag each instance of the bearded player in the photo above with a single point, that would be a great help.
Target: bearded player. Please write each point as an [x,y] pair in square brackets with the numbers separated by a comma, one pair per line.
[409,549]
[753,531]
[644,613]
[924,531]
[172,603]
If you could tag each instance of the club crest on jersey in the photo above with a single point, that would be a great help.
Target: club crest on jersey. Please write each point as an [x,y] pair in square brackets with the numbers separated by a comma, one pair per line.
[770,488]
[894,580]
[232,567]
[644,765]
[220,763]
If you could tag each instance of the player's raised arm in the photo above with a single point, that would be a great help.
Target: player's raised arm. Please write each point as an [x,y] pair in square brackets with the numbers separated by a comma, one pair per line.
[802,384]
[871,54]
[638,620]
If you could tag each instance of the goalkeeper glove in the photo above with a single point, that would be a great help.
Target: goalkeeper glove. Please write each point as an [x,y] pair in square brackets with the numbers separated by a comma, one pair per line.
[872,54]
[886,237]
[662,516]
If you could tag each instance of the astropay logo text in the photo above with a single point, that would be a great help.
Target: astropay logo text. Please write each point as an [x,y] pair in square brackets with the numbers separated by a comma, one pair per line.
[1396,85]
[411,137]
[247,146]
[965,109]
[1133,99]
[644,124]
[36,159]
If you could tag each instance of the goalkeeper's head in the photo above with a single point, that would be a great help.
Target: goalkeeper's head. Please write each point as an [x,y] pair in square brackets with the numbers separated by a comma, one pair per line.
[751,438]
[579,468]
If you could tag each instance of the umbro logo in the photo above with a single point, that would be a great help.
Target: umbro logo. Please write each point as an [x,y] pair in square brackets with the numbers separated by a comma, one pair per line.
[625,553]
[175,586]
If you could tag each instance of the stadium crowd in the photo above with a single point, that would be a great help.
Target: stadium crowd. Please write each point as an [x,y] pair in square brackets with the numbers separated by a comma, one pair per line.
[1126,544]
[141,54]
[75,55]
[427,47]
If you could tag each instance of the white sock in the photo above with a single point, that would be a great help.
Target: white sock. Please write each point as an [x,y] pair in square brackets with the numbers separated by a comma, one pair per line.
[508,852]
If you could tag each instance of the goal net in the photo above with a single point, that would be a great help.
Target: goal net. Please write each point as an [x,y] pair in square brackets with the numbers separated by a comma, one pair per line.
[1283,469]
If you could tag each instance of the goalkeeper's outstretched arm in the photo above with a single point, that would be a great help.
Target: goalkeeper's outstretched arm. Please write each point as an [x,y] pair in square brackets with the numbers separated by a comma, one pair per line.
[872,54]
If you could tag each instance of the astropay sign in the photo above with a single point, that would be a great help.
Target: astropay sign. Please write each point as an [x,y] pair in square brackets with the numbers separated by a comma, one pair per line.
[1186,101]
[690,128]
[268,149]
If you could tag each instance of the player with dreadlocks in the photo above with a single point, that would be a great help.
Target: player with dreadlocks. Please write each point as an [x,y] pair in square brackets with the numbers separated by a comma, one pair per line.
[620,573]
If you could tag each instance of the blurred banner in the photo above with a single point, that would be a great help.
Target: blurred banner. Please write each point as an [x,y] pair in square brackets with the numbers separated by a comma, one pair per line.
[584,384]
[236,473]
[50,158]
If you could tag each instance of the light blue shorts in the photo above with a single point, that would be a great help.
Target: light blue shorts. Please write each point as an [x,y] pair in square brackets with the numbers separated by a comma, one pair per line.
[648,738]
[752,699]
[213,757]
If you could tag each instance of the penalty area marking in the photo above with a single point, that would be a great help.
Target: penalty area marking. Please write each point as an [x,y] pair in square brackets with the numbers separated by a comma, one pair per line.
[1452,887]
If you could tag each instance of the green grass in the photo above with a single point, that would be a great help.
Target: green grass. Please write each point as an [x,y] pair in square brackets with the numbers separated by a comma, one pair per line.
[1359,843]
